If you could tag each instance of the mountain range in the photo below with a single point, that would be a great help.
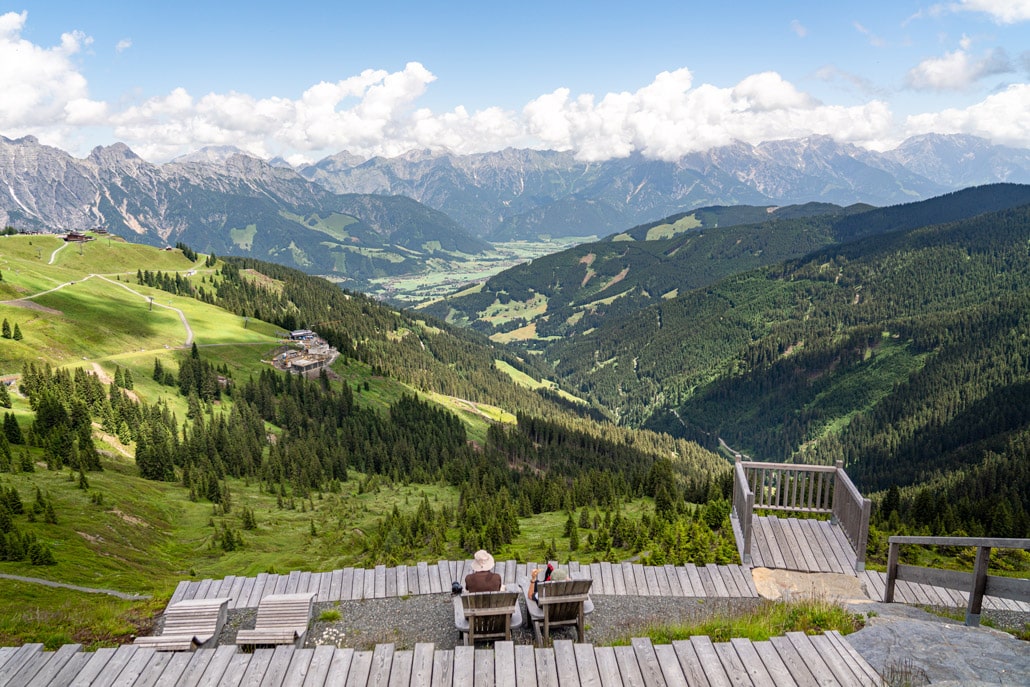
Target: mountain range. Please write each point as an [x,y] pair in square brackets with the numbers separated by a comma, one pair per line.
[355,219]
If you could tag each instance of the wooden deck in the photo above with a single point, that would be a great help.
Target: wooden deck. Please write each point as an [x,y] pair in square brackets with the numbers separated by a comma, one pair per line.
[801,544]
[795,659]
[353,584]
[930,595]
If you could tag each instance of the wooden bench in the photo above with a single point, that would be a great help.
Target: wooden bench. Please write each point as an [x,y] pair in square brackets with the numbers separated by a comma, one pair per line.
[281,619]
[189,625]
[486,615]
[558,604]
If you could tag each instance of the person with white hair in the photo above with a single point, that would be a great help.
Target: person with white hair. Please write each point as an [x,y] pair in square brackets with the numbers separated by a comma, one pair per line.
[482,578]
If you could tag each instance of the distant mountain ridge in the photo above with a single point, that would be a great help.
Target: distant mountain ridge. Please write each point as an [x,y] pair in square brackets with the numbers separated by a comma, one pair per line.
[226,202]
[519,194]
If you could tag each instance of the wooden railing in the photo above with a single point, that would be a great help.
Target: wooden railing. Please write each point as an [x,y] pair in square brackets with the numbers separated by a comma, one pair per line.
[798,489]
[977,583]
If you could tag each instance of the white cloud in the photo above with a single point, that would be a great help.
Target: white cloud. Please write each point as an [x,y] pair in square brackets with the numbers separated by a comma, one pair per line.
[997,118]
[798,28]
[873,39]
[1001,11]
[41,87]
[957,70]
[123,45]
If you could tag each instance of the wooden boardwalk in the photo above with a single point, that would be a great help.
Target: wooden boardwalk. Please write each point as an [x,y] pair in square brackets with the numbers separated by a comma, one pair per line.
[929,595]
[353,584]
[796,659]
[801,544]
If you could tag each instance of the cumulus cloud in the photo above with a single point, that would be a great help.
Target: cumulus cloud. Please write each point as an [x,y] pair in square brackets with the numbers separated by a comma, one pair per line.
[957,70]
[994,118]
[1001,11]
[42,89]
[123,45]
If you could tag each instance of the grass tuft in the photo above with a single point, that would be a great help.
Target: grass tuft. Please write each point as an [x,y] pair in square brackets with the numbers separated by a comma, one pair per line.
[772,619]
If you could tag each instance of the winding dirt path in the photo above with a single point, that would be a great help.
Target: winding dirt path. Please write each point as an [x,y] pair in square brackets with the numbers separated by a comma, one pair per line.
[75,587]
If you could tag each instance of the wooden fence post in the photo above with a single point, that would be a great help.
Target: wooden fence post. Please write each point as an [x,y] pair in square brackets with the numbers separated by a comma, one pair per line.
[893,552]
[976,596]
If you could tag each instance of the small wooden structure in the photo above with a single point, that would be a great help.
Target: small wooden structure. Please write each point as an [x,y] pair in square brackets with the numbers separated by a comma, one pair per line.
[281,619]
[486,615]
[189,625]
[803,489]
[558,604]
[977,584]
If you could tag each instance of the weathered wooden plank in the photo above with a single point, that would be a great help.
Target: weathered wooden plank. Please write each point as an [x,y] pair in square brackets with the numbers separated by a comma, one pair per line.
[369,590]
[281,581]
[152,671]
[66,674]
[629,578]
[732,590]
[435,583]
[339,668]
[221,588]
[647,662]
[786,544]
[412,580]
[684,580]
[204,589]
[718,586]
[56,663]
[593,571]
[608,666]
[607,578]
[820,534]
[379,582]
[628,668]
[689,663]
[29,668]
[464,665]
[664,584]
[237,591]
[842,549]
[193,671]
[565,663]
[292,582]
[670,667]
[732,664]
[169,677]
[422,665]
[400,672]
[297,671]
[335,581]
[806,530]
[778,561]
[856,660]
[357,589]
[709,658]
[618,581]
[381,665]
[641,579]
[484,668]
[343,584]
[749,580]
[180,590]
[443,669]
[446,573]
[651,575]
[243,599]
[774,665]
[423,578]
[586,664]
[546,670]
[360,668]
[810,657]
[508,576]
[277,666]
[694,575]
[753,664]
[86,673]
[801,545]
[504,664]
[840,667]
[675,587]
[255,591]
[525,666]
[318,666]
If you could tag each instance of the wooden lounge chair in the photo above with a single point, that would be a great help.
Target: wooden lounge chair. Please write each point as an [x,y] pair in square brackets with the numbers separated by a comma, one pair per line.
[281,619]
[189,625]
[486,615]
[558,604]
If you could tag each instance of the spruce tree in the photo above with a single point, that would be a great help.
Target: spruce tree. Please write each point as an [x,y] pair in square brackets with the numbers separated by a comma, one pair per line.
[6,329]
[17,336]
[5,396]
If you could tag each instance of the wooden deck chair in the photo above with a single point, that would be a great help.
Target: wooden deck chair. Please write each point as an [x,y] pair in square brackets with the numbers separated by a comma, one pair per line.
[486,615]
[558,604]
[281,619]
[189,625]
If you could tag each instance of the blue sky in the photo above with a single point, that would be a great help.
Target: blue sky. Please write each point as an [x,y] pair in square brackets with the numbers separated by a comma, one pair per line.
[303,80]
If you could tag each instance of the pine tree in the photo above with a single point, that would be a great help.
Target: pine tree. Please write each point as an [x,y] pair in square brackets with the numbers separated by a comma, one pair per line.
[5,396]
[18,337]
[6,329]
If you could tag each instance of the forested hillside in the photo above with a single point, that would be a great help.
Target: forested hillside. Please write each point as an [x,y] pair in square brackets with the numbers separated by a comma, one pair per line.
[905,354]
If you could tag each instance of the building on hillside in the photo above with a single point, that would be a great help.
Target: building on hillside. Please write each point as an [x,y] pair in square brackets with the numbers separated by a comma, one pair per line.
[302,334]
[76,237]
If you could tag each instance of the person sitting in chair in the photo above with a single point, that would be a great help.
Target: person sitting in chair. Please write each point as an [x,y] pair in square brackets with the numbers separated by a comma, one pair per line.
[482,578]
[559,575]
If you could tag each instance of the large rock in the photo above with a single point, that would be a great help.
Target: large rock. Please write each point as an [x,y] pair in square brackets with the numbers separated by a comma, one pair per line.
[787,585]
